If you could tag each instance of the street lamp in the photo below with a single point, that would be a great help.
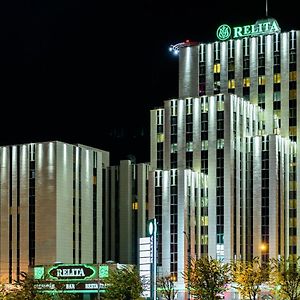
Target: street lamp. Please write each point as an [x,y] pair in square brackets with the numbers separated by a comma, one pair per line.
[189,261]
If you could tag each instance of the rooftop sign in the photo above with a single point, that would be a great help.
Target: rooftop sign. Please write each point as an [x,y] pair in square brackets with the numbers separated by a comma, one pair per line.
[261,27]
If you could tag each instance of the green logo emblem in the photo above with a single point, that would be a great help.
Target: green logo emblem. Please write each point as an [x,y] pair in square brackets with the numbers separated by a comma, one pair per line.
[103,271]
[38,272]
[223,32]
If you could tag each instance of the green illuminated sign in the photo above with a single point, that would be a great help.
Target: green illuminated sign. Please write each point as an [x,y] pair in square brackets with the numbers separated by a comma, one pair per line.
[39,272]
[224,32]
[73,272]
[103,271]
[261,27]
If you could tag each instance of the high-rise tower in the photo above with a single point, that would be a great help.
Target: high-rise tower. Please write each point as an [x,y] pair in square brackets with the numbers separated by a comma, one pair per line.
[224,154]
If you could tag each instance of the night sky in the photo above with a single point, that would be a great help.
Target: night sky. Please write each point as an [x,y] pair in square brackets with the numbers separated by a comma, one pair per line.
[89,73]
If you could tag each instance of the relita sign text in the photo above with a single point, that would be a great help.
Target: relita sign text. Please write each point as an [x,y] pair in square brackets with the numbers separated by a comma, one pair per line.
[261,27]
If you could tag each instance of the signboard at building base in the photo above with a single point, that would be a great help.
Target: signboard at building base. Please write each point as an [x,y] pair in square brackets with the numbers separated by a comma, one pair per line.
[71,278]
[147,261]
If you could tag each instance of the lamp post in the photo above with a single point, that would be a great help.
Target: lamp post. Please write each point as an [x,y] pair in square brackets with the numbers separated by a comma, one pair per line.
[189,261]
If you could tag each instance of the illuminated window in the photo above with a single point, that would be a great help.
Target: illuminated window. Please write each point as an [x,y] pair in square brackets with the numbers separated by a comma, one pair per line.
[220,103]
[217,68]
[293,186]
[189,147]
[293,240]
[277,78]
[293,76]
[246,82]
[293,203]
[204,145]
[220,144]
[231,84]
[160,137]
[204,104]
[173,148]
[293,94]
[204,221]
[261,80]
[189,106]
[134,206]
[173,107]
[293,131]
[204,240]
[204,201]
[293,222]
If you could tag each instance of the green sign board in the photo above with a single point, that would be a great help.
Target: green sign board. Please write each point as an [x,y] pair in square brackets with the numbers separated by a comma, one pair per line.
[71,278]
[63,272]
[261,27]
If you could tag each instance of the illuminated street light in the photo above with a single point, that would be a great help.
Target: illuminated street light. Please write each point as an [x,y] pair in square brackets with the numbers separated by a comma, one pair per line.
[263,247]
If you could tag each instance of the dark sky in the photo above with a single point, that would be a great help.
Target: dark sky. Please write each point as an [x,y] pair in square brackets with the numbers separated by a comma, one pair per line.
[86,71]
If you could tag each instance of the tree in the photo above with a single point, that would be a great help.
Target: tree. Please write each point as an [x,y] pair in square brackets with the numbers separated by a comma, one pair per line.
[123,284]
[207,278]
[25,289]
[166,288]
[285,276]
[249,276]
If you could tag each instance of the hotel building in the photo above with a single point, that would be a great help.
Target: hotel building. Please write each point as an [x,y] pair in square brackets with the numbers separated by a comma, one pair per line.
[51,207]
[125,211]
[224,155]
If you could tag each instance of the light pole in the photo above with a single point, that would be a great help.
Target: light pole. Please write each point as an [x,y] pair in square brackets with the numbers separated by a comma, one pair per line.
[189,261]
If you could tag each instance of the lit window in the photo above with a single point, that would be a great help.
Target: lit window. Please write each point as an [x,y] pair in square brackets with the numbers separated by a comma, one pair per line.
[293,76]
[204,201]
[277,78]
[293,222]
[204,240]
[246,82]
[173,148]
[134,206]
[293,94]
[160,137]
[217,68]
[231,84]
[204,221]
[204,145]
[220,144]
[189,147]
[261,80]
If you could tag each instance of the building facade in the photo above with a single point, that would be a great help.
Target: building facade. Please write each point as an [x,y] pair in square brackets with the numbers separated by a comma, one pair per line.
[51,205]
[126,211]
[235,123]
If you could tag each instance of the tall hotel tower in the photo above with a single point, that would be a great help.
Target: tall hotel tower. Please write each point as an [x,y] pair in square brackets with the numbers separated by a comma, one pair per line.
[51,205]
[224,155]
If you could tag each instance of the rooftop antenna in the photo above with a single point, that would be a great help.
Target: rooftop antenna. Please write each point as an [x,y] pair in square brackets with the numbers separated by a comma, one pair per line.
[266,8]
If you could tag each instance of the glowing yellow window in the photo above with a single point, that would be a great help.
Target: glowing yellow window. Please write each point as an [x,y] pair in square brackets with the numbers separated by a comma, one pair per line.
[293,222]
[204,239]
[293,94]
[293,240]
[134,205]
[293,131]
[293,203]
[204,221]
[217,68]
[293,76]
[231,84]
[293,185]
[262,80]
[277,78]
[246,82]
[160,137]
